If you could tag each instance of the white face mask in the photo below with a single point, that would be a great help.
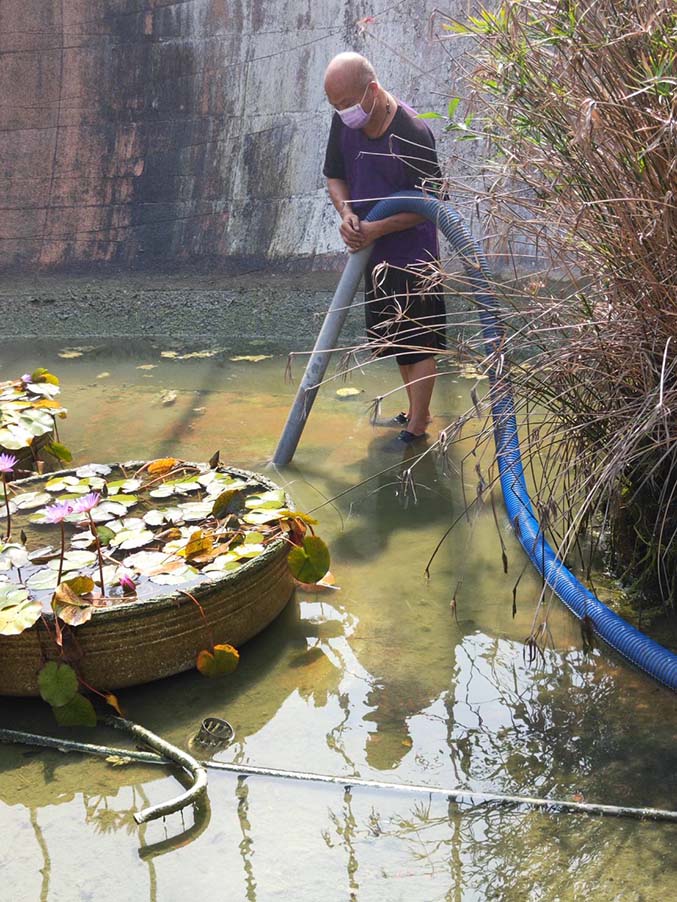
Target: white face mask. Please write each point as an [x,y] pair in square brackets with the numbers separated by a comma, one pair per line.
[355,116]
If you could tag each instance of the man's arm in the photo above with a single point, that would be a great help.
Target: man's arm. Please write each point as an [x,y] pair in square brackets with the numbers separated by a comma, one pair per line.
[370,231]
[350,228]
[358,234]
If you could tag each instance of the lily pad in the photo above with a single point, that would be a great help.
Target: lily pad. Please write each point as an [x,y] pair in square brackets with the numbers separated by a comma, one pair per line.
[162,491]
[250,549]
[219,662]
[252,358]
[347,392]
[310,561]
[58,683]
[12,554]
[93,470]
[79,712]
[18,612]
[75,559]
[147,562]
[31,500]
[175,577]
[261,517]
[195,510]
[123,486]
[108,510]
[266,501]
[154,518]
[132,538]
[42,580]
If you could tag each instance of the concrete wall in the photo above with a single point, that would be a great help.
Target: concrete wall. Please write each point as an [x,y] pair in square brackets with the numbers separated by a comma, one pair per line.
[148,133]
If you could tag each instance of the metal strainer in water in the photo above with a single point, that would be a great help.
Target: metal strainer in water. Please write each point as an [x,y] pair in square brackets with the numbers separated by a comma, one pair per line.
[213,733]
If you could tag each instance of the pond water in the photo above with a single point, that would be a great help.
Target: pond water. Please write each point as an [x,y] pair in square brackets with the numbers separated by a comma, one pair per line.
[380,679]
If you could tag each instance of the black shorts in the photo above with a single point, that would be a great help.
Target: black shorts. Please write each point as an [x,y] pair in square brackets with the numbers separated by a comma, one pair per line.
[404,319]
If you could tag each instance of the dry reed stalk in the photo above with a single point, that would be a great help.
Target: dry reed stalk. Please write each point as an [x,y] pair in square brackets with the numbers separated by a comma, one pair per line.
[576,105]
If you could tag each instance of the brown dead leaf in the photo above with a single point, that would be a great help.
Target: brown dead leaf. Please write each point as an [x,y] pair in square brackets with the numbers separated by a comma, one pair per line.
[162,465]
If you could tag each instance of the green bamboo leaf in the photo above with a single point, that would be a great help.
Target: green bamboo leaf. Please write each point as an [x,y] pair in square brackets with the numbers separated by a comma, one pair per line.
[61,452]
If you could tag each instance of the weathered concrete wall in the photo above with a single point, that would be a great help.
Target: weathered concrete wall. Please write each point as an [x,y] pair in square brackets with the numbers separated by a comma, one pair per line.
[148,133]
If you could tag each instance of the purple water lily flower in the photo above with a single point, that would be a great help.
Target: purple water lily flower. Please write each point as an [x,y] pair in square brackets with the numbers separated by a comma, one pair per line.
[87,503]
[57,513]
[26,378]
[7,463]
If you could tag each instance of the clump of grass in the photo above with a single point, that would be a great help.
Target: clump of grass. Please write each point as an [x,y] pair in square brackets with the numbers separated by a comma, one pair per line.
[576,106]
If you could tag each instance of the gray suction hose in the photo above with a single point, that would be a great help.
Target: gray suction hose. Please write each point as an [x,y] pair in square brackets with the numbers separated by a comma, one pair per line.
[319,359]
[655,660]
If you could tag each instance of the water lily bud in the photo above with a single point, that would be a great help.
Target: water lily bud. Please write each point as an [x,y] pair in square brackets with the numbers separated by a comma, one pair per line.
[127,585]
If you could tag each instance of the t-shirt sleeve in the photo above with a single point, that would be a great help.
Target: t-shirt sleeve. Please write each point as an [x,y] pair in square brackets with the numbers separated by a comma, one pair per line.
[334,165]
[417,147]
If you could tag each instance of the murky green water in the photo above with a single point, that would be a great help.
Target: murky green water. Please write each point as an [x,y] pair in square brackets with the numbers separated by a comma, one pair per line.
[378,679]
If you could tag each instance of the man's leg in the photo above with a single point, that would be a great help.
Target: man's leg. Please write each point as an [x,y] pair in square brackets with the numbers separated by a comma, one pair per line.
[404,372]
[420,379]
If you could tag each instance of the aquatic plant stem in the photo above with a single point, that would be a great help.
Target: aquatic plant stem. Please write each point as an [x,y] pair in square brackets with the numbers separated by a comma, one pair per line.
[63,552]
[99,553]
[9,518]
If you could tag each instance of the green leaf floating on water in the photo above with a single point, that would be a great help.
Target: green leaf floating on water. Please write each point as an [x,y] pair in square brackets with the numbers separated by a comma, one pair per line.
[17,611]
[78,712]
[58,683]
[310,561]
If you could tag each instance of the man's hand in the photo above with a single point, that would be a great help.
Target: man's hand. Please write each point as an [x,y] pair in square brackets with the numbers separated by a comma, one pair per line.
[350,230]
[368,233]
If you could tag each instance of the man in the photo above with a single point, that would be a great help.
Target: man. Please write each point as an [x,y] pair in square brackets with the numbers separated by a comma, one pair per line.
[376,147]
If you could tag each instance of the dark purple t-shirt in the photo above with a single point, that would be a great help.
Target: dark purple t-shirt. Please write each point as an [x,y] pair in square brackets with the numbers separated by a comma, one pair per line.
[401,159]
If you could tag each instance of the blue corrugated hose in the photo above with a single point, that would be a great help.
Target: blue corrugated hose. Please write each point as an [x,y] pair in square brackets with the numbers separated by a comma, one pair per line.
[640,650]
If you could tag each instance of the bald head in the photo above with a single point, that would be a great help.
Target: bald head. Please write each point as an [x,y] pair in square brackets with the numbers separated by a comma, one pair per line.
[347,76]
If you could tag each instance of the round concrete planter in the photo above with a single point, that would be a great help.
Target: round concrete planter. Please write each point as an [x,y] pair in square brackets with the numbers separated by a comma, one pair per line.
[139,641]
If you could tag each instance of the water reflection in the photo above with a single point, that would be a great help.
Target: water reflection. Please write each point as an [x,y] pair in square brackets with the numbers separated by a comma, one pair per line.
[246,844]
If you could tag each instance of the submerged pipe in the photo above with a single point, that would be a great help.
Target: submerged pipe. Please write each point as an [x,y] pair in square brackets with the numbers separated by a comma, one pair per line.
[639,649]
[468,796]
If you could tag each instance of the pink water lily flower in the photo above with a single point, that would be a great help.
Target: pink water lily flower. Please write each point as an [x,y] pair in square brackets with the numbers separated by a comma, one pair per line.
[57,513]
[87,503]
[7,463]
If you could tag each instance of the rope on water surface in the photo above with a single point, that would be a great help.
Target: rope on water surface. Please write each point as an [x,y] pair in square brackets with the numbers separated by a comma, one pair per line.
[468,796]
